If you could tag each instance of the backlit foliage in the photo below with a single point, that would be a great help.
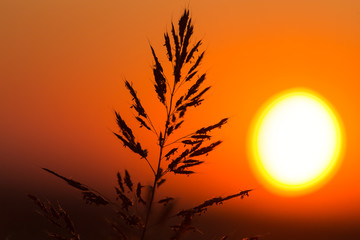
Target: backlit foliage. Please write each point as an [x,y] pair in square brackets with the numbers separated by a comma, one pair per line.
[178,156]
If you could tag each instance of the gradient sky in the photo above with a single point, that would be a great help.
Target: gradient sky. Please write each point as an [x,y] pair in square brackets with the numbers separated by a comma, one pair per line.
[62,66]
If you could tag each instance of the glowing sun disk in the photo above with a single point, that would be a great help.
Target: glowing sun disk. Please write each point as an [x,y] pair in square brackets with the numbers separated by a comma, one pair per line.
[296,142]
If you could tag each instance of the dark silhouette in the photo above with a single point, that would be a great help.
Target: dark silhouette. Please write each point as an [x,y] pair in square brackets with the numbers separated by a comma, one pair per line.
[179,156]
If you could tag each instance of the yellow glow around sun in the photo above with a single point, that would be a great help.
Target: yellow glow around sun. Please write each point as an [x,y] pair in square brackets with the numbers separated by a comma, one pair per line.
[296,143]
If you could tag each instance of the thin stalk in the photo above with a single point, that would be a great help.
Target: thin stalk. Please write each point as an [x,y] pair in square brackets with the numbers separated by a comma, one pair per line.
[151,200]
[157,175]
[152,169]
[152,126]
[177,140]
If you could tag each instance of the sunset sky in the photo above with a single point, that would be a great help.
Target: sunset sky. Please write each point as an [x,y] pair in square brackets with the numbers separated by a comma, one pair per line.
[62,69]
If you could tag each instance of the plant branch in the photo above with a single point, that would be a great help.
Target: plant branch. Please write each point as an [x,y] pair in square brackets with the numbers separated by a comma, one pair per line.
[152,169]
[158,172]
[177,140]
[152,126]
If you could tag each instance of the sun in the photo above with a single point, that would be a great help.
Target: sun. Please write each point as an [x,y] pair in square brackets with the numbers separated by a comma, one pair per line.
[296,142]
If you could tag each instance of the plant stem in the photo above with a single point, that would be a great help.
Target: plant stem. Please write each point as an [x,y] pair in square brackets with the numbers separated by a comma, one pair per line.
[152,198]
[152,169]
[157,175]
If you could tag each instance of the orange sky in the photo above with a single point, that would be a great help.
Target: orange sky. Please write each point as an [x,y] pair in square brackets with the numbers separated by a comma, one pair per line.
[62,65]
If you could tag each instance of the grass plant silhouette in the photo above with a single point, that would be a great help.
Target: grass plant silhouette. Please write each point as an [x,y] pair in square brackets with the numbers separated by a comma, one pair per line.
[180,156]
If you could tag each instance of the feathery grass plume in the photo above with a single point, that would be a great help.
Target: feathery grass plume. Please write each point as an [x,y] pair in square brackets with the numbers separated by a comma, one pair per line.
[189,163]
[177,67]
[91,198]
[120,183]
[131,220]
[170,130]
[184,102]
[160,81]
[190,76]
[89,195]
[185,43]
[126,131]
[194,88]
[193,50]
[179,101]
[177,160]
[134,208]
[142,123]
[58,217]
[129,139]
[217,200]
[205,150]
[182,171]
[126,202]
[171,152]
[212,127]
[183,23]
[137,105]
[178,124]
[165,201]
[71,182]
[138,194]
[197,63]
[198,97]
[128,181]
[161,182]
[136,148]
[187,215]
[168,46]
[191,142]
[201,136]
